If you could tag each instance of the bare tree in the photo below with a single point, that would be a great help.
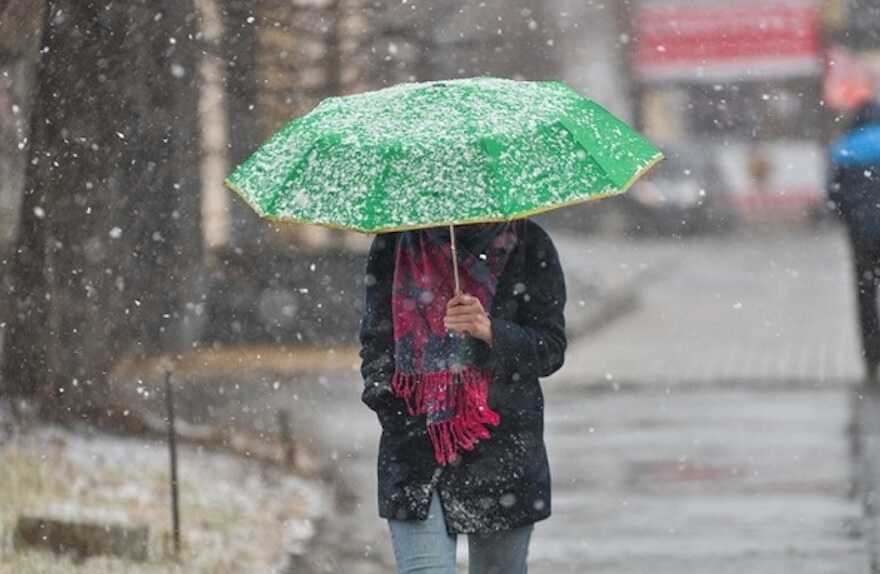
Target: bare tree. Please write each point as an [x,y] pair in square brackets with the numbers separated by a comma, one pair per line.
[109,223]
[241,85]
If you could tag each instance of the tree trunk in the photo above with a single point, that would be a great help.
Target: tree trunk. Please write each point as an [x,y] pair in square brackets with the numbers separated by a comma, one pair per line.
[239,48]
[109,225]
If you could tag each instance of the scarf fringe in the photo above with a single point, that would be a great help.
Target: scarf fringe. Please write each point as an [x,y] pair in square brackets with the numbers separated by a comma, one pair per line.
[439,392]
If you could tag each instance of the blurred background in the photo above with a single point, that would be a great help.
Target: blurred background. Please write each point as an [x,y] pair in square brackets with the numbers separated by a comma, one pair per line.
[710,415]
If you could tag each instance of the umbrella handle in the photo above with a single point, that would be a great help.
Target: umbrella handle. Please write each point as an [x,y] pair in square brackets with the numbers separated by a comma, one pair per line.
[454,258]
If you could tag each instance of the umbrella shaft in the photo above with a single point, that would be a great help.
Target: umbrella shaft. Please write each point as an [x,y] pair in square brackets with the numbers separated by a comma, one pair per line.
[454,258]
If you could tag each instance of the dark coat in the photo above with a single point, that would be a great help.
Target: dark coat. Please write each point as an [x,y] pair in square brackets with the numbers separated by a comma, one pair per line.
[854,191]
[504,482]
[855,196]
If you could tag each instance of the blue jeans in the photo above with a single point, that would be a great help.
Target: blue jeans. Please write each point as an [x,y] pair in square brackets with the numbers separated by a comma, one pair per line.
[424,547]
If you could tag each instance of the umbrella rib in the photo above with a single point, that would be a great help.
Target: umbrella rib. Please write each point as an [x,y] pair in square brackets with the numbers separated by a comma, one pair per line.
[388,157]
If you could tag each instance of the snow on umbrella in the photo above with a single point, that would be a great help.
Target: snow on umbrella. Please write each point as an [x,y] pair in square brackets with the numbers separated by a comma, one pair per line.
[442,153]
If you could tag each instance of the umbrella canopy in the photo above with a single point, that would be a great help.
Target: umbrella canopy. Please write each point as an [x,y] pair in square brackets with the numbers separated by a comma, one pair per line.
[860,147]
[442,153]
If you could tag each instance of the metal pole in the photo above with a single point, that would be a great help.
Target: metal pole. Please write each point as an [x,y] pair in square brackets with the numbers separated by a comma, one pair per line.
[172,451]
[454,258]
[286,437]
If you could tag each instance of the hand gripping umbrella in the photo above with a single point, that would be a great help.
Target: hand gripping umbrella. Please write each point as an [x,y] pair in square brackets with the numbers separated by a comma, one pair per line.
[442,153]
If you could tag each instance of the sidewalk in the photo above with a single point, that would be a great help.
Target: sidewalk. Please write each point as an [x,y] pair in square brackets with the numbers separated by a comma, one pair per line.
[704,481]
[720,310]
[707,429]
[700,479]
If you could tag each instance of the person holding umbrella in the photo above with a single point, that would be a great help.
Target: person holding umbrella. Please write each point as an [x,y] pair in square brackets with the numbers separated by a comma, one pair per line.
[454,381]
[854,194]
[464,294]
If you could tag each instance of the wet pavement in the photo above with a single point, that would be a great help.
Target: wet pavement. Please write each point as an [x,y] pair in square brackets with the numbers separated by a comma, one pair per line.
[711,480]
[708,480]
[758,461]
[720,310]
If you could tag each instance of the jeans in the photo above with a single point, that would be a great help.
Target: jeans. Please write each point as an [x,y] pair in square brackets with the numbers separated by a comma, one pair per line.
[424,547]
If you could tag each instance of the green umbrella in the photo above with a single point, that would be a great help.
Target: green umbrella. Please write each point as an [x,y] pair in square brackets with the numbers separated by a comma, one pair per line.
[442,153]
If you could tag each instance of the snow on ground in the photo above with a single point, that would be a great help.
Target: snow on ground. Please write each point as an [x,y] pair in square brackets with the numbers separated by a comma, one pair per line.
[236,515]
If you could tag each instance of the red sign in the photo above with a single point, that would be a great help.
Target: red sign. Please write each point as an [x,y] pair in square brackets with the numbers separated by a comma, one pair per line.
[698,41]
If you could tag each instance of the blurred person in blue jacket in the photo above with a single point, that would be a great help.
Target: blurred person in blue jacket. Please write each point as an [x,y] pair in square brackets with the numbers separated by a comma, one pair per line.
[854,194]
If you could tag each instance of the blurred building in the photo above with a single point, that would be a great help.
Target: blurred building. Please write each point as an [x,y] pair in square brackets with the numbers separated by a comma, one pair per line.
[307,50]
[740,85]
[591,45]
[274,283]
[260,64]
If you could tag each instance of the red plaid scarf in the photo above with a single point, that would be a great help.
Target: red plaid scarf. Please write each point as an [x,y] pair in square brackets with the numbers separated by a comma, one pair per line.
[436,371]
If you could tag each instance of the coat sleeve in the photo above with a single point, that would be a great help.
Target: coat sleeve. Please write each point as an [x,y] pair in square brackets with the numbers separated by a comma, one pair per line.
[376,332]
[535,345]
